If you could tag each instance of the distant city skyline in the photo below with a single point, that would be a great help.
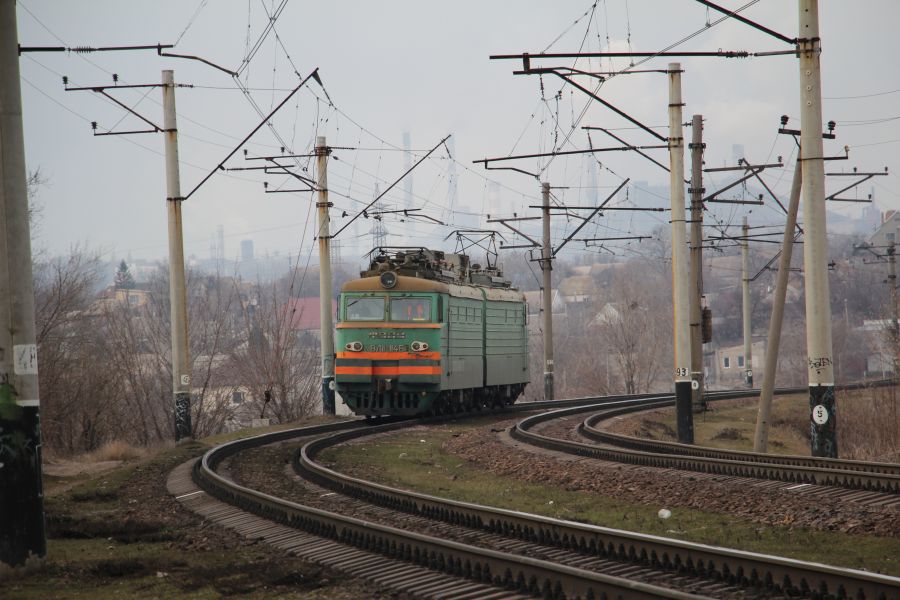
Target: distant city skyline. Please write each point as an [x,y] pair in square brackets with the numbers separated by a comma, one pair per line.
[409,74]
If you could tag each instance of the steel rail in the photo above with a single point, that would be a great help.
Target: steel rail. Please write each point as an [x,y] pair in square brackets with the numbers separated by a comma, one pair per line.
[776,574]
[859,475]
[589,429]
[878,482]
[513,572]
[779,575]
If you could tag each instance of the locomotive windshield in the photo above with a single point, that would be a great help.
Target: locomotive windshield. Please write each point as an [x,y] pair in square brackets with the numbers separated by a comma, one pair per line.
[410,309]
[365,309]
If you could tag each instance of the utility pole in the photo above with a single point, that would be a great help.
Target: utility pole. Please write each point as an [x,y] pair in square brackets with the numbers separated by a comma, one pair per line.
[327,326]
[680,284]
[548,253]
[823,419]
[181,368]
[773,341]
[22,539]
[696,272]
[546,269]
[892,282]
[745,285]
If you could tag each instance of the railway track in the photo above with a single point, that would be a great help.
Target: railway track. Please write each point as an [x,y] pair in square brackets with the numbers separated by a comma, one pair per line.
[540,556]
[876,482]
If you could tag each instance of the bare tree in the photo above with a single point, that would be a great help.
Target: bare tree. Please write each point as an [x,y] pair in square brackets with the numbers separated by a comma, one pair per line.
[72,388]
[636,331]
[281,372]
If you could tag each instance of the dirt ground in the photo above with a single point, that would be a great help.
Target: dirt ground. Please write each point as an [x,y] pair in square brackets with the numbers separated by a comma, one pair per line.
[113,531]
[664,488]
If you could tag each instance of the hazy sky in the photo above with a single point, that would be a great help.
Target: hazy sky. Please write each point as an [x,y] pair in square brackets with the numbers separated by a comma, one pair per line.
[420,67]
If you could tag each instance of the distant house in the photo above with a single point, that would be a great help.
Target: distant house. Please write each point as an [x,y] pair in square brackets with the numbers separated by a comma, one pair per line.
[534,300]
[134,298]
[113,297]
[577,289]
[729,365]
[228,399]
[301,315]
[608,314]
[886,234]
[880,361]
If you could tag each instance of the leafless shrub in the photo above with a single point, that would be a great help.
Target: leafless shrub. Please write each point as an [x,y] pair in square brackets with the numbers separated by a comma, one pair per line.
[271,358]
[869,424]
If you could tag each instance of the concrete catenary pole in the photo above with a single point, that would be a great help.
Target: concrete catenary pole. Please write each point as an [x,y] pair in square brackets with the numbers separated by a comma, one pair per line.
[696,272]
[22,538]
[680,283]
[546,270]
[181,365]
[745,293]
[892,282]
[326,321]
[820,361]
[761,436]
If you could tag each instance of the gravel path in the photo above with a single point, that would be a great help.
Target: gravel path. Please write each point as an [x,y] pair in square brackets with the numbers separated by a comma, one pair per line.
[660,488]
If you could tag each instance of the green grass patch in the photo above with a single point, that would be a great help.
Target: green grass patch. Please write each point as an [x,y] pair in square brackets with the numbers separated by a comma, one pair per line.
[732,426]
[90,569]
[118,534]
[416,461]
[240,434]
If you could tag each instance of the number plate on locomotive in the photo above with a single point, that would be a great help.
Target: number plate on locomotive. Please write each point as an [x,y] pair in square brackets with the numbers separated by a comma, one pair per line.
[387,335]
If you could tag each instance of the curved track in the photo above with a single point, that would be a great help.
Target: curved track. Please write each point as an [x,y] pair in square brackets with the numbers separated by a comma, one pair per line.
[882,479]
[579,561]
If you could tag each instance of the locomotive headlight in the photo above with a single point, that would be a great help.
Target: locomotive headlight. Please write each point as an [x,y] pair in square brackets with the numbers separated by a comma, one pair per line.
[354,346]
[388,279]
[418,346]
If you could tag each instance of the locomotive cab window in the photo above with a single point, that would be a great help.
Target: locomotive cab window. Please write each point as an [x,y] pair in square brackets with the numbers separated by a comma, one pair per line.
[365,309]
[411,309]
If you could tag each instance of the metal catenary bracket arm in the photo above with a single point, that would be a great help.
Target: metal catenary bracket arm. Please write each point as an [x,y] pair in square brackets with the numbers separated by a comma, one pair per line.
[621,113]
[567,152]
[101,89]
[517,170]
[221,165]
[773,259]
[865,177]
[734,15]
[285,170]
[712,197]
[504,222]
[607,239]
[87,49]
[587,219]
[390,187]
[622,141]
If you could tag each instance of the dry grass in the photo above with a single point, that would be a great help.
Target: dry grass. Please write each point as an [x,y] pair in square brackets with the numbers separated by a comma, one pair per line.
[117,450]
[869,424]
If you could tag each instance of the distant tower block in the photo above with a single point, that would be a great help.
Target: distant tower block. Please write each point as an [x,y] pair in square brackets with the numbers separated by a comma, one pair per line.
[407,165]
[493,204]
[220,243]
[452,190]
[335,251]
[246,250]
[593,167]
[378,232]
[357,242]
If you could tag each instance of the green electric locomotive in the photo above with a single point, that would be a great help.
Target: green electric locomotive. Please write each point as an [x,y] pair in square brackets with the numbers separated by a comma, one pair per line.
[425,332]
